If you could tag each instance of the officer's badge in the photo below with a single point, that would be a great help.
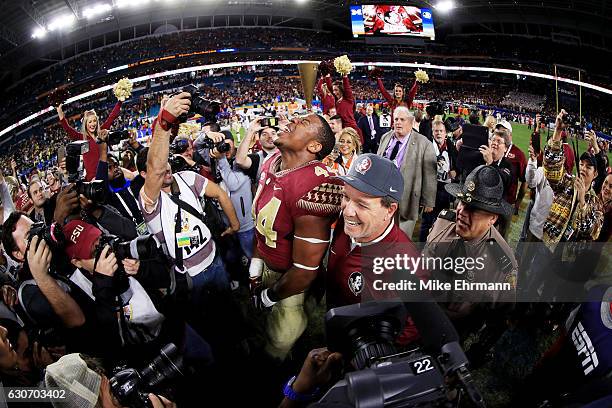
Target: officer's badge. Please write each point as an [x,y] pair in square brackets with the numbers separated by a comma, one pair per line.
[470,186]
[355,283]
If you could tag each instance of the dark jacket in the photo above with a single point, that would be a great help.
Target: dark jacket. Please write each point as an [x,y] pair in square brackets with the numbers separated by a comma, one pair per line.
[370,142]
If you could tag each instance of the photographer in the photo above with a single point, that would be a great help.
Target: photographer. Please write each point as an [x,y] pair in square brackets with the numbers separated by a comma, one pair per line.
[493,156]
[22,356]
[50,298]
[86,384]
[120,195]
[179,224]
[238,186]
[252,163]
[184,156]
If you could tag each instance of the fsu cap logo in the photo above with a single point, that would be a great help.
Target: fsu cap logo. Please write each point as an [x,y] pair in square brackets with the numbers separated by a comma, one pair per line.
[355,283]
[363,166]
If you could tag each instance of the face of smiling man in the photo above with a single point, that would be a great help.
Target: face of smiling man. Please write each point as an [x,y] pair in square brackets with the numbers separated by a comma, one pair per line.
[365,216]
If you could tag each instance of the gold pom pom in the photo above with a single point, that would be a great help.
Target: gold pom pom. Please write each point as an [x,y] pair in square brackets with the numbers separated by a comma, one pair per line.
[421,76]
[343,65]
[123,89]
[189,129]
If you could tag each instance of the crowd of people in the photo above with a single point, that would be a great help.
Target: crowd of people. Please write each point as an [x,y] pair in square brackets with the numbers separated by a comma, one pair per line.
[220,235]
[525,101]
[81,72]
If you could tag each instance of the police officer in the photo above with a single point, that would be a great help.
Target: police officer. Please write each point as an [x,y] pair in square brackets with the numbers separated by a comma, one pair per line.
[483,268]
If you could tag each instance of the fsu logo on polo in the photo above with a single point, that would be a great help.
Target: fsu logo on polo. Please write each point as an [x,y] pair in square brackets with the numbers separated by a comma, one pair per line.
[355,283]
[363,166]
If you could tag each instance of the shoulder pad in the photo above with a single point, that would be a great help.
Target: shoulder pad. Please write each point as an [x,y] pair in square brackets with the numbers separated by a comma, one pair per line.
[449,215]
[322,200]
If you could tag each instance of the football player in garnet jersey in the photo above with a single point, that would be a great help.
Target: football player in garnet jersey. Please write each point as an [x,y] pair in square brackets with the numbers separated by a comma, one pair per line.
[294,207]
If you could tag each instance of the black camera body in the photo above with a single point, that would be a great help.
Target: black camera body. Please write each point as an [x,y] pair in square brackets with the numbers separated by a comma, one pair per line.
[571,121]
[222,146]
[142,248]
[366,332]
[179,146]
[200,106]
[131,387]
[94,190]
[116,137]
[269,122]
[435,108]
[52,234]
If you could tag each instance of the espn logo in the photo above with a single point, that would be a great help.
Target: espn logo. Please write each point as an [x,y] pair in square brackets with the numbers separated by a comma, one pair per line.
[583,345]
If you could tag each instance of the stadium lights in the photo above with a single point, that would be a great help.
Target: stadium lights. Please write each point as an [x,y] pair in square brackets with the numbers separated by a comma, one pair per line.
[61,22]
[445,6]
[96,10]
[40,32]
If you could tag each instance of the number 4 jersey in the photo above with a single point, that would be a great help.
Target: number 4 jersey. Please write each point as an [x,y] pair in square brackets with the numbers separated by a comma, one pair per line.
[284,196]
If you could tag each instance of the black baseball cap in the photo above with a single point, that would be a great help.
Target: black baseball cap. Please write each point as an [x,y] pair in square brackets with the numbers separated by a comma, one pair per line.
[590,158]
[376,176]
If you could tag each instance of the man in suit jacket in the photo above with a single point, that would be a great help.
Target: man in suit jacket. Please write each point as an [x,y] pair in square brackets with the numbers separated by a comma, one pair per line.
[370,128]
[414,155]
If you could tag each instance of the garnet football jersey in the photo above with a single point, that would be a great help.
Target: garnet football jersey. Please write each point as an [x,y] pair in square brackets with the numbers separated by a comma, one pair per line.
[282,197]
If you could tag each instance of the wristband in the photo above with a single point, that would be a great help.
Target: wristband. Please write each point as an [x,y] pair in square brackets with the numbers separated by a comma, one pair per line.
[295,396]
[256,268]
[267,296]
[166,120]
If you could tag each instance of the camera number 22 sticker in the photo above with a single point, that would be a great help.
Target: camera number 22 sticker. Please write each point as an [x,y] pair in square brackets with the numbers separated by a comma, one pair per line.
[422,366]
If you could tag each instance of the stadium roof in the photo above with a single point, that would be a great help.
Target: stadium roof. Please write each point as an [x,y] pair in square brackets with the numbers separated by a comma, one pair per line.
[580,22]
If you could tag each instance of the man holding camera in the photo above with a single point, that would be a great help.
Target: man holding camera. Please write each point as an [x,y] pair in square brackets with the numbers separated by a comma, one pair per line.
[86,386]
[238,186]
[252,163]
[294,207]
[414,155]
[46,299]
[120,195]
[173,211]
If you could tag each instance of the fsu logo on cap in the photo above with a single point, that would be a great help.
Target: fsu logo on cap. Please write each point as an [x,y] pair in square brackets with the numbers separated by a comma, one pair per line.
[363,166]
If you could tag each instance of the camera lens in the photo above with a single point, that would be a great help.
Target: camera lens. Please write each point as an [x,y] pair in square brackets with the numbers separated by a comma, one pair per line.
[93,190]
[166,366]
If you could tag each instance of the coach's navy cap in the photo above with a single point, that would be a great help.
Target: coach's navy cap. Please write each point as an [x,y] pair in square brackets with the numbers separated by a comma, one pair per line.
[376,176]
